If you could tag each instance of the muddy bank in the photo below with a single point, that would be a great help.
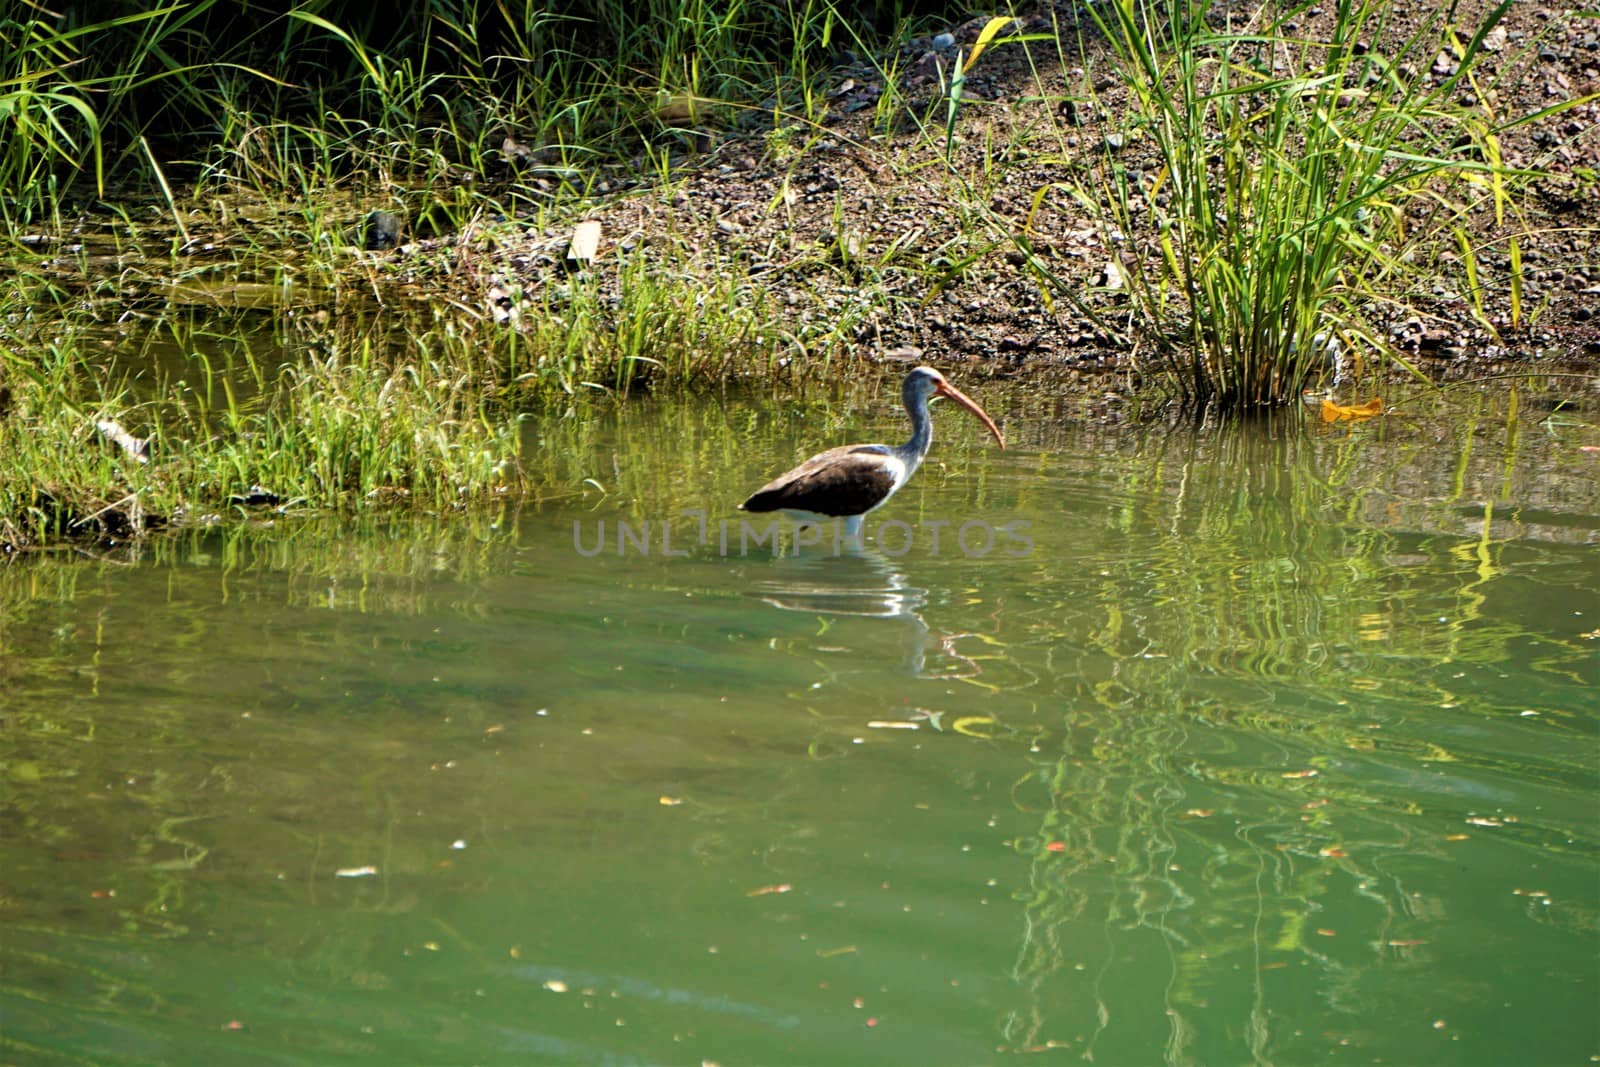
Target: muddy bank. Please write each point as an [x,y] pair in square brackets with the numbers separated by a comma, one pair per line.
[988,258]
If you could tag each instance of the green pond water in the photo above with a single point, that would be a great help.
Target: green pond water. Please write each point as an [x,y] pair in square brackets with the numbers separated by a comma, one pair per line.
[1265,744]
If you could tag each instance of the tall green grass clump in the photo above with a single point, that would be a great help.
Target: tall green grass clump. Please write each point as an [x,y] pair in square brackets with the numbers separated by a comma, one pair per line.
[1285,167]
[346,430]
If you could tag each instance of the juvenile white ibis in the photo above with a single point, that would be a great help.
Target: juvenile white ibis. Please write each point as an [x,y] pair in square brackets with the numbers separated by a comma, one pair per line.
[850,481]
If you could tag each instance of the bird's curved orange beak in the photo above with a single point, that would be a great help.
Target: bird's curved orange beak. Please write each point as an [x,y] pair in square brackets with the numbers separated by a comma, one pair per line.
[944,388]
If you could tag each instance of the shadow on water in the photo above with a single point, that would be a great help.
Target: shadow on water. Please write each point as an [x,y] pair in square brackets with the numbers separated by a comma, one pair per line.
[1276,745]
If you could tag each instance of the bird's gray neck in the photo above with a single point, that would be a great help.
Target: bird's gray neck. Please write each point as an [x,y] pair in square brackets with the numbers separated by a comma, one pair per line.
[921,430]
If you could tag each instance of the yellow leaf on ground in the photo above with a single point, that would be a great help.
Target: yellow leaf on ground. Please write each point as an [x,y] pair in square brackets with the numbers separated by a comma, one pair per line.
[1332,412]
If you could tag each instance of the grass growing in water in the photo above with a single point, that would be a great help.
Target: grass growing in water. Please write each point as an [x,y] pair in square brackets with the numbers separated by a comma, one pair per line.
[344,430]
[353,412]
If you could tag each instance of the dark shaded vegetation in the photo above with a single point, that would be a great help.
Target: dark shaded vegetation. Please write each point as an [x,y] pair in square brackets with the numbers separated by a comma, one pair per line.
[179,87]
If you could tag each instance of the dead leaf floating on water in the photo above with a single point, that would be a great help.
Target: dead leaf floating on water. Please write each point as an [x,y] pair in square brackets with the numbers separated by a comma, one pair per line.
[970,725]
[1332,412]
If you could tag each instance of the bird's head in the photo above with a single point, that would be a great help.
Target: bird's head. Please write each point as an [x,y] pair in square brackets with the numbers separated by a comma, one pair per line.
[924,385]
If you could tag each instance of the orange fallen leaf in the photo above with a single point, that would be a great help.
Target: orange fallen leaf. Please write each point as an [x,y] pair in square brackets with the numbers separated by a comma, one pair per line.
[1056,846]
[1332,412]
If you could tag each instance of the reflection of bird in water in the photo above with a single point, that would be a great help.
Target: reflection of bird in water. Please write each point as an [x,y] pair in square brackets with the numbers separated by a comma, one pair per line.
[853,480]
[861,583]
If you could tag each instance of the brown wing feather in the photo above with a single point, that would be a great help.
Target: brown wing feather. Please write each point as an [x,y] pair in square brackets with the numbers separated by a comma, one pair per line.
[841,481]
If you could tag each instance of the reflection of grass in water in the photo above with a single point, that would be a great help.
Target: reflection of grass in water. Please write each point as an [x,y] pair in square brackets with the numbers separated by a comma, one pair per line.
[1138,840]
[1247,703]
